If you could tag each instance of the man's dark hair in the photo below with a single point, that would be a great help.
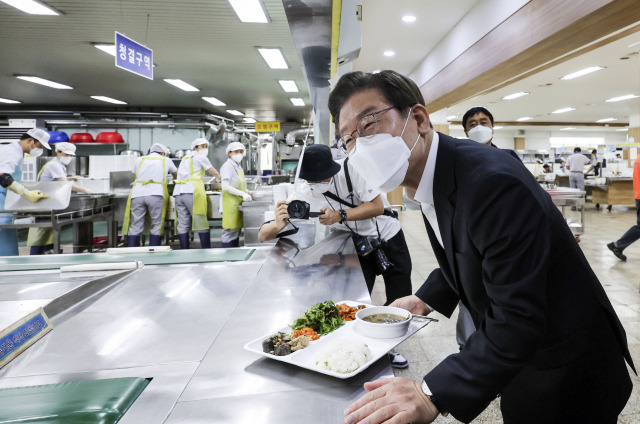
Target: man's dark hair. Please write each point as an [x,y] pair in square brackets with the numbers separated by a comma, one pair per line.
[577,150]
[545,165]
[478,109]
[25,136]
[594,152]
[398,90]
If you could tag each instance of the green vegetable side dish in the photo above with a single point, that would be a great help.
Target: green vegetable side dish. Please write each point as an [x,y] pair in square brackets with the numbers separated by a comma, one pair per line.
[323,317]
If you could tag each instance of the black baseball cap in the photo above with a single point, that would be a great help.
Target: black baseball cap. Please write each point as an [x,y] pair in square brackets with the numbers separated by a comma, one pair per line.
[318,164]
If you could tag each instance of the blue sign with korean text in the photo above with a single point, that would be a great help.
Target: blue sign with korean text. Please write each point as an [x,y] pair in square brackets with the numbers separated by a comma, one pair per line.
[21,335]
[133,57]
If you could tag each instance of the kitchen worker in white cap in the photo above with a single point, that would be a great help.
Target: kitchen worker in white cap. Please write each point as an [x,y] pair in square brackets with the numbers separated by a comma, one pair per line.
[234,192]
[149,196]
[40,240]
[11,157]
[191,200]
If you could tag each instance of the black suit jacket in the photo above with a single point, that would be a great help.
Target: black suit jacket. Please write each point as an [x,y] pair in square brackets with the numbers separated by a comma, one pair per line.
[510,257]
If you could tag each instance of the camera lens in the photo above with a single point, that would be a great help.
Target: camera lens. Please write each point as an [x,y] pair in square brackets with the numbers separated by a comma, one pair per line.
[298,209]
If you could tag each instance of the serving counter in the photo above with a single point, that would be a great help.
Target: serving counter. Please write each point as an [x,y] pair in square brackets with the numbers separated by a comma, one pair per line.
[616,191]
[184,326]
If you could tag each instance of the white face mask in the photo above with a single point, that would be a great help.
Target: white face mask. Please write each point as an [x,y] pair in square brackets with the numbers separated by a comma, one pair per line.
[204,152]
[237,158]
[36,151]
[481,134]
[321,187]
[66,160]
[383,159]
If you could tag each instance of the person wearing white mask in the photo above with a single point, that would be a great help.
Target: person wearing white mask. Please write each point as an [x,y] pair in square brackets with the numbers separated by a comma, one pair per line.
[478,126]
[40,240]
[11,158]
[234,192]
[190,196]
[548,340]
[149,196]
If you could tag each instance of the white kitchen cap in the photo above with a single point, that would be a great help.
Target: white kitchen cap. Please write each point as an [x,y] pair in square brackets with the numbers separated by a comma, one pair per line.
[41,135]
[199,141]
[67,148]
[158,148]
[235,145]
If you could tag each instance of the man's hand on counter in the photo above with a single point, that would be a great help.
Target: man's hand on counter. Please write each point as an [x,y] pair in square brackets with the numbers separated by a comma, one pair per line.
[413,304]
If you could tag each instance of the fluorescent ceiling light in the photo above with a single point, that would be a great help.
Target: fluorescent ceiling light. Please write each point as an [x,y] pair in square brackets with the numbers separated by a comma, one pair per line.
[582,72]
[297,101]
[567,128]
[43,81]
[606,120]
[634,44]
[451,117]
[566,109]
[214,101]
[498,127]
[181,84]
[524,118]
[251,11]
[274,58]
[107,48]
[249,120]
[109,100]
[389,53]
[289,86]
[623,129]
[8,101]
[408,18]
[625,97]
[31,7]
[515,95]
[235,112]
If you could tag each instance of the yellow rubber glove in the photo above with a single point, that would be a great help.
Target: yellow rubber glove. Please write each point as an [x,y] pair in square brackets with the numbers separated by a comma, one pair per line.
[31,195]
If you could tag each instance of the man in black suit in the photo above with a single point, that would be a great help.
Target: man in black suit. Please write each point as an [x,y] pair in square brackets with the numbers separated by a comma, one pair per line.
[547,339]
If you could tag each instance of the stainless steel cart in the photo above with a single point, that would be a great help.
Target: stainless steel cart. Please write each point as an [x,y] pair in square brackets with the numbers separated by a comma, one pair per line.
[564,197]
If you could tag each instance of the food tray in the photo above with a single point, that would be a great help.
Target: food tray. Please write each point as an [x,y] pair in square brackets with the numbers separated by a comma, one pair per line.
[306,358]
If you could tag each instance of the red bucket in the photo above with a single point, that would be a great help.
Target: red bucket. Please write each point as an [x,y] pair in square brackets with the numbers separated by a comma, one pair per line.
[109,137]
[81,138]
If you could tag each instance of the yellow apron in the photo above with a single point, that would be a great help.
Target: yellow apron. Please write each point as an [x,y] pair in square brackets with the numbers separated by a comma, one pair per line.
[165,198]
[40,236]
[232,218]
[199,220]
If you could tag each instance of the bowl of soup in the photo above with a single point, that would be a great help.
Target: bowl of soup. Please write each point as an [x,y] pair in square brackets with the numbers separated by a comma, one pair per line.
[383,322]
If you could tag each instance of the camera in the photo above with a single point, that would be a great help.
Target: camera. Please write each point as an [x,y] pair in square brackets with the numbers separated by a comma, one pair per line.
[299,209]
[369,245]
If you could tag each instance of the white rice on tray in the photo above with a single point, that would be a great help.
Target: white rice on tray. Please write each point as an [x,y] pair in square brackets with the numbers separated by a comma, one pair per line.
[343,356]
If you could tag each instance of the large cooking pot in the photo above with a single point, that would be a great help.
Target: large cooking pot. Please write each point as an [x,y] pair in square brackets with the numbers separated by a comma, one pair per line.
[109,137]
[136,153]
[179,154]
[81,138]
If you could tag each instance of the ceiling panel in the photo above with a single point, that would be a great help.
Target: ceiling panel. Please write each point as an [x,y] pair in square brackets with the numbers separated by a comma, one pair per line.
[199,41]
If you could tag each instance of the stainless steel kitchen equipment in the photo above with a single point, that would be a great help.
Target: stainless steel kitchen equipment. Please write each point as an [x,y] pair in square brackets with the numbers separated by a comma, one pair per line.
[143,326]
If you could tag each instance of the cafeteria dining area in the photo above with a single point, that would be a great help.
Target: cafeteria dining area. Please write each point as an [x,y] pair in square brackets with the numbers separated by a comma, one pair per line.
[319,211]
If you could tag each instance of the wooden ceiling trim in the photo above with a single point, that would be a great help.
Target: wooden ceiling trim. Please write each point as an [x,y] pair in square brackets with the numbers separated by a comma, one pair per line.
[542,31]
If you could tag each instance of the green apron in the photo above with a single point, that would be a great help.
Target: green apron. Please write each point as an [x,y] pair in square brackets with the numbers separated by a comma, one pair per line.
[40,236]
[231,216]
[199,219]
[165,198]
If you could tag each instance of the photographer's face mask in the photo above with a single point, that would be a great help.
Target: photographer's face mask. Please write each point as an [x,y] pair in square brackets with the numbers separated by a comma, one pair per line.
[382,159]
[319,188]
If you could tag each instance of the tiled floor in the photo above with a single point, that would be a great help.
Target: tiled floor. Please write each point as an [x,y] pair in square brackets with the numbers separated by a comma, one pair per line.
[621,281]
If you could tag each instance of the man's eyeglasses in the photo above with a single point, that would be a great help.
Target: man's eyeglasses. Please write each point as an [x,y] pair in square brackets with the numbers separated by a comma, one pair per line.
[366,127]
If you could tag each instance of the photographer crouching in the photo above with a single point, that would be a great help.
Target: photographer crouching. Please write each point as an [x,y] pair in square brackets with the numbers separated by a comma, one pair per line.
[346,203]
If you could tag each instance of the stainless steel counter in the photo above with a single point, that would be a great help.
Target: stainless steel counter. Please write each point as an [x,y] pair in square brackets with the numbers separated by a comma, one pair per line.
[184,326]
